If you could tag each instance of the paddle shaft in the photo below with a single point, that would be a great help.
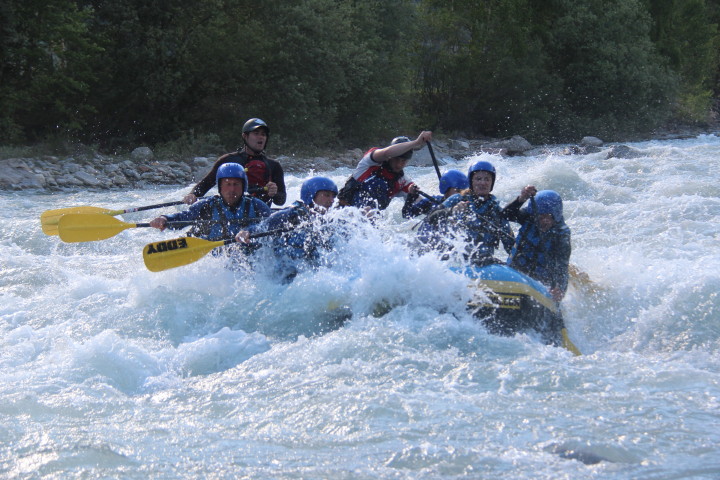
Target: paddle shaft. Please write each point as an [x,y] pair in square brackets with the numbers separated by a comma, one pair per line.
[150,207]
[49,219]
[229,241]
[434,160]
[167,224]
[429,197]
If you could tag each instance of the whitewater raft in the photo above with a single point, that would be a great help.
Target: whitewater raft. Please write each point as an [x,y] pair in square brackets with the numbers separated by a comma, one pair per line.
[510,302]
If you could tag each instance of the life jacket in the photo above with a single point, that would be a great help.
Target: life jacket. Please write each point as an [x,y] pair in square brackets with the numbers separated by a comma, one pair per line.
[483,225]
[536,253]
[220,221]
[376,187]
[257,171]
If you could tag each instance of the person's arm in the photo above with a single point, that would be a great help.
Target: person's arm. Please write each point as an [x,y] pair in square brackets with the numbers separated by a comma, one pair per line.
[262,209]
[512,210]
[455,204]
[562,273]
[507,237]
[422,207]
[410,207]
[191,214]
[208,181]
[383,154]
[278,177]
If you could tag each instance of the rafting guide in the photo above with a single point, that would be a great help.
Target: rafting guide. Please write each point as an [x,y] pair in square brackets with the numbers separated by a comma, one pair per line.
[265,176]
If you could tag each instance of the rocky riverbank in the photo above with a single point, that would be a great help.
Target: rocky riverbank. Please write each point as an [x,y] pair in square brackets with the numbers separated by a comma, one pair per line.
[141,168]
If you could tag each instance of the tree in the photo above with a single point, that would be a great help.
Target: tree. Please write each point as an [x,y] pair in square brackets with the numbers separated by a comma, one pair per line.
[154,70]
[44,79]
[615,84]
[686,34]
[483,69]
[320,71]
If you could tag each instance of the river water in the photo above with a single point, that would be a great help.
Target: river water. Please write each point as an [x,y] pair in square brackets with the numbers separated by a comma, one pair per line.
[112,371]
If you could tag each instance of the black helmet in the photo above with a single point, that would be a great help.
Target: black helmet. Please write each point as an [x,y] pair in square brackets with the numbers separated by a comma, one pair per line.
[253,124]
[402,139]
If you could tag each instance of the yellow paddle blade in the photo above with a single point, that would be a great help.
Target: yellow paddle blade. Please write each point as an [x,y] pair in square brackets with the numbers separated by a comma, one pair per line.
[583,282]
[49,218]
[78,227]
[177,252]
[569,345]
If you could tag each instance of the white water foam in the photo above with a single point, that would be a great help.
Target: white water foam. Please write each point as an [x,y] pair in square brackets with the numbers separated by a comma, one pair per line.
[113,371]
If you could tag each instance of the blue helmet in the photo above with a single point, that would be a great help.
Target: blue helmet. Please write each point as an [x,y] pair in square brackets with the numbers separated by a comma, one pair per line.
[453,179]
[407,155]
[482,166]
[547,201]
[311,186]
[231,170]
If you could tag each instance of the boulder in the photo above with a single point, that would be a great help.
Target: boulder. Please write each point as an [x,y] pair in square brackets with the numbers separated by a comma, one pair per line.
[15,174]
[142,154]
[591,142]
[515,145]
[623,151]
[459,145]
[88,178]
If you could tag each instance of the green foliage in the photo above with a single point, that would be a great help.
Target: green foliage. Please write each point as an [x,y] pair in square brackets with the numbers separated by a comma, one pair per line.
[184,74]
[686,34]
[44,80]
[316,70]
[614,81]
[154,71]
[550,70]
[481,66]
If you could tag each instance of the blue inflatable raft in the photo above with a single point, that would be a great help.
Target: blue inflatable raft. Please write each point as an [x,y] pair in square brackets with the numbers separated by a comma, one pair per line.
[509,302]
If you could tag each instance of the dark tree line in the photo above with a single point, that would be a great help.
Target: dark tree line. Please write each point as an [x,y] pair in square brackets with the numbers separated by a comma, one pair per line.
[330,72]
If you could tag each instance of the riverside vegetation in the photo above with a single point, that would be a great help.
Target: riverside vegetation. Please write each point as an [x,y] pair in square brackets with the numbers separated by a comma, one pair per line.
[332,74]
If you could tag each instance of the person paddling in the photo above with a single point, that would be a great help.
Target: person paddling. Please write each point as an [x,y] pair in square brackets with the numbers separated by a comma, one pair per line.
[380,176]
[221,216]
[542,247]
[308,234]
[475,215]
[266,178]
[451,182]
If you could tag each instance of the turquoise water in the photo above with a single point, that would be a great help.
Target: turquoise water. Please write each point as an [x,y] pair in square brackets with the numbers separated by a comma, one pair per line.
[112,371]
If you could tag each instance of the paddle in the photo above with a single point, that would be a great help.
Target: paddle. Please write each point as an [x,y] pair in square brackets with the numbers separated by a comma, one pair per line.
[567,343]
[49,218]
[434,160]
[582,280]
[429,197]
[177,252]
[89,227]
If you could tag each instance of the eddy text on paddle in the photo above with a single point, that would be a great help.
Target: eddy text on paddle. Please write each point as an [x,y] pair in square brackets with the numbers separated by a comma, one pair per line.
[166,245]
